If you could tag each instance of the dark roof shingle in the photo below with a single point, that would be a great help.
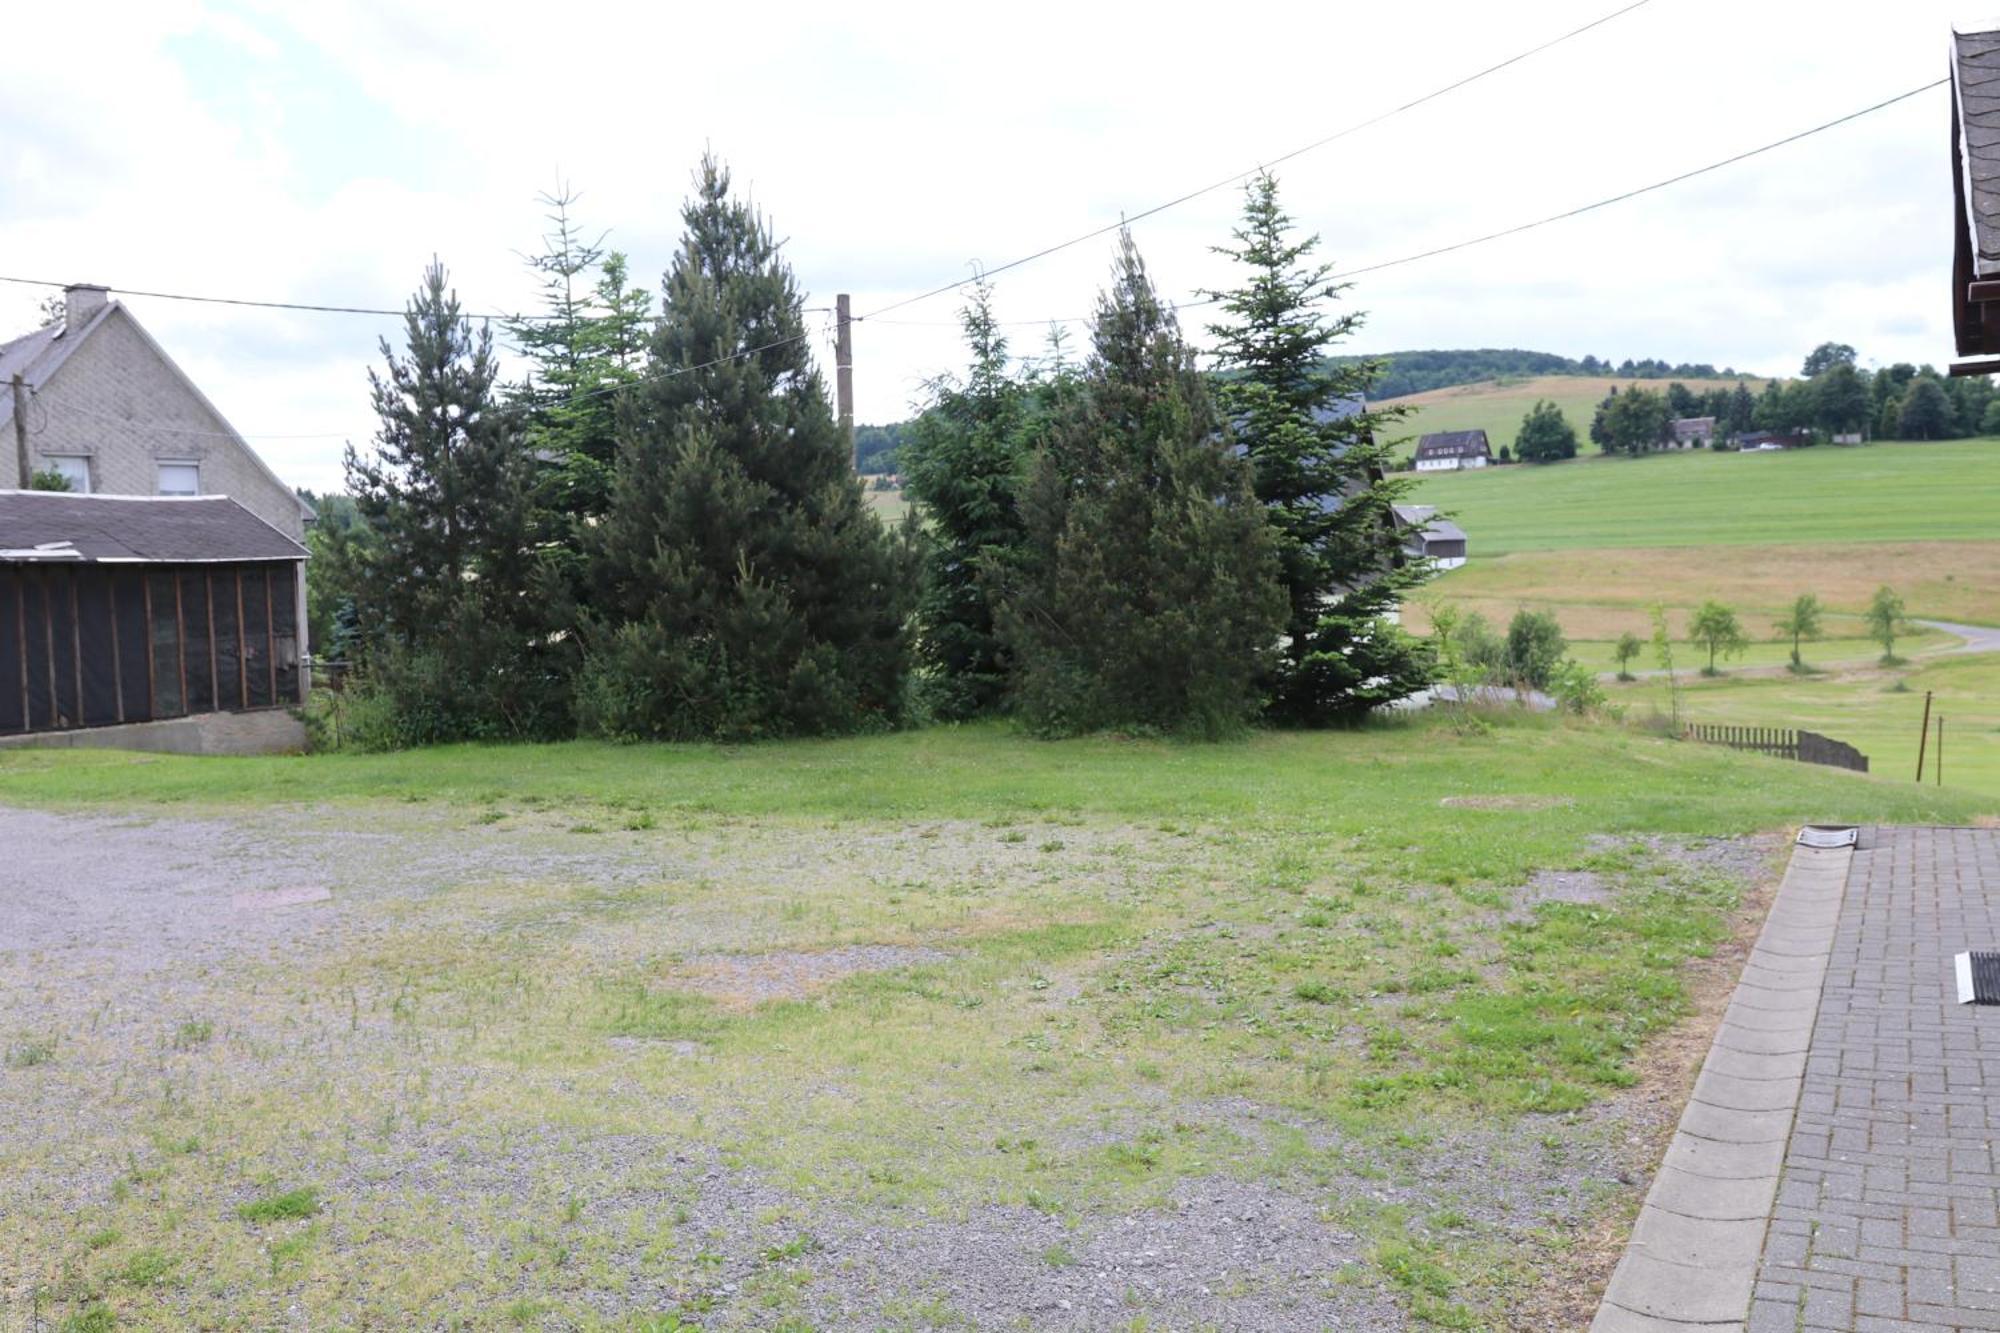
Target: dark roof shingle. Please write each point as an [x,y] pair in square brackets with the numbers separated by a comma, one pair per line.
[55,526]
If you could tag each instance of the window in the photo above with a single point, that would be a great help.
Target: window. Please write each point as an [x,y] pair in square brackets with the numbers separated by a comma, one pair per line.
[74,470]
[180,479]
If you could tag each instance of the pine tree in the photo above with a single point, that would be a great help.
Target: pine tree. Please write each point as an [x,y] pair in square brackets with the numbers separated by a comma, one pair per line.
[1144,595]
[745,588]
[961,462]
[586,343]
[440,566]
[1323,471]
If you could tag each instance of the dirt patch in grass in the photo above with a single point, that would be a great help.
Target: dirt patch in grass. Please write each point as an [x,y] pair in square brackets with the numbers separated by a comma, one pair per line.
[747,980]
[1581,887]
[1648,1112]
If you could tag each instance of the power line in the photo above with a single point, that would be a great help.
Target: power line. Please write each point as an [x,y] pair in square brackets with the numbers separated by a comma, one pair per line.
[260,305]
[1229,180]
[1517,229]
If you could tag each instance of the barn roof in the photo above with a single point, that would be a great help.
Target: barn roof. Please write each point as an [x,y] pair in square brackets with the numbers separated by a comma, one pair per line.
[1975,180]
[1454,444]
[58,527]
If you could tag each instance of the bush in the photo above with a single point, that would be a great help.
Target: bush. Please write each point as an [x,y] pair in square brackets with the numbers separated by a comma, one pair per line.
[1535,646]
[1481,649]
[1576,688]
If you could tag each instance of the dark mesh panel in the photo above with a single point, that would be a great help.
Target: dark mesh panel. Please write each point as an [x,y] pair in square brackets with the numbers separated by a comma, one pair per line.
[166,641]
[134,644]
[62,628]
[194,623]
[100,667]
[285,631]
[41,704]
[256,644]
[12,714]
[228,647]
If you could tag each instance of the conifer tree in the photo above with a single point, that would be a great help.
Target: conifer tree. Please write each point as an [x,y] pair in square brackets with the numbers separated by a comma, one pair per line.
[1144,595]
[962,464]
[745,588]
[439,566]
[1323,472]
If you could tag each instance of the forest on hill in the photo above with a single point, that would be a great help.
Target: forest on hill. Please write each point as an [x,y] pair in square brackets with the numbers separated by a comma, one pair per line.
[1420,371]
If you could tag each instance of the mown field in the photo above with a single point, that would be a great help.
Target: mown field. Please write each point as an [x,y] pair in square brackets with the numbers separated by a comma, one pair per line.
[1497,406]
[949,1029]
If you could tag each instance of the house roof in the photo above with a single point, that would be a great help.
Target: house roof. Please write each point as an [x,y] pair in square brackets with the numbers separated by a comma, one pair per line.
[45,527]
[1432,528]
[1455,444]
[1685,426]
[37,356]
[1975,70]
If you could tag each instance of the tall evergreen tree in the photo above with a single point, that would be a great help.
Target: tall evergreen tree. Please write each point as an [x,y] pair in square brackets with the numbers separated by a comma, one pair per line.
[1144,595]
[440,565]
[746,588]
[962,463]
[1322,468]
[587,341]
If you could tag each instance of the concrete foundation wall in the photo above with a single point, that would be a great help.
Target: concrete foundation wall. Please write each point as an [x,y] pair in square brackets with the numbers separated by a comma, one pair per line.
[266,731]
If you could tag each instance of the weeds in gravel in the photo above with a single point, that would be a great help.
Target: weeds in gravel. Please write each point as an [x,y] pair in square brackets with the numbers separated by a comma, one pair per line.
[287,1206]
[27,1054]
[192,1033]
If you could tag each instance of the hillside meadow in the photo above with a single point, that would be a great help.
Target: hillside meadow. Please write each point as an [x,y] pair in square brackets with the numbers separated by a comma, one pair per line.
[1497,406]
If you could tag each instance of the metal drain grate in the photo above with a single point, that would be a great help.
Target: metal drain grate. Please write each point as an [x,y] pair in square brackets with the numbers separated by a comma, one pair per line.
[1979,977]
[1828,835]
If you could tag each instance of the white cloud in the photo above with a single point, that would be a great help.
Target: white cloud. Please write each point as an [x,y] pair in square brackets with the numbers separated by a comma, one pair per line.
[325,152]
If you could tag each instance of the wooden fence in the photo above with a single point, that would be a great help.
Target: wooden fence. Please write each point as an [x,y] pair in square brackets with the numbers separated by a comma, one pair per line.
[1783,743]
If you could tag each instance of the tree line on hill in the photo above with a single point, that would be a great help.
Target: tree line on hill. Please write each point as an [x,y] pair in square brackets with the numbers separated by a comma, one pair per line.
[1832,399]
[658,535]
[1406,373]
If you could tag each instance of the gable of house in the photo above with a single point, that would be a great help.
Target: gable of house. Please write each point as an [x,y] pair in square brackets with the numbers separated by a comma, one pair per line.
[105,401]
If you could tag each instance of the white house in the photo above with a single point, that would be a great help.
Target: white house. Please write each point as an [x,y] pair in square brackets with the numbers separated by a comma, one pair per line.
[1452,450]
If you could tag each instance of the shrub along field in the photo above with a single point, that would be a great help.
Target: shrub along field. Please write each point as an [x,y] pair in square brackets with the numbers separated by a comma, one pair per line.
[937,1029]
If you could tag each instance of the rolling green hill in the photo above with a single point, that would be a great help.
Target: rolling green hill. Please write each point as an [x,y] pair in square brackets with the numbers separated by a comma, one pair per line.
[1497,406]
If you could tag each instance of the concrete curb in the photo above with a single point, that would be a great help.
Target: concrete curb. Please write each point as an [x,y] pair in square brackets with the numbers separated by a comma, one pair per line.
[1692,1259]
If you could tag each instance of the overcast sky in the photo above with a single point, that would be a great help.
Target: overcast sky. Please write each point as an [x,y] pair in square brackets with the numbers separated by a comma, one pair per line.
[323,153]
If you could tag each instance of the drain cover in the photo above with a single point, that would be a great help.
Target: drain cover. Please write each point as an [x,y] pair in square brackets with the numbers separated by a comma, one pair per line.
[1828,835]
[1979,977]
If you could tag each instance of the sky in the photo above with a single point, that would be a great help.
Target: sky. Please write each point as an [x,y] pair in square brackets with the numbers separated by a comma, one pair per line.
[324,153]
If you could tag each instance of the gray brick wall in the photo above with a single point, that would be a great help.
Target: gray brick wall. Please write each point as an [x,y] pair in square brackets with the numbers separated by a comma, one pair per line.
[117,402]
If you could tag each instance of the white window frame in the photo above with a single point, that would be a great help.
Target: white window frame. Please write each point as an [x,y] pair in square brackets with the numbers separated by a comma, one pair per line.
[64,462]
[160,464]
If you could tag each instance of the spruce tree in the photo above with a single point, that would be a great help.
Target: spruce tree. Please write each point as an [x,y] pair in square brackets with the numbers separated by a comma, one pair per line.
[1323,472]
[745,589]
[440,567]
[1144,595]
[961,462]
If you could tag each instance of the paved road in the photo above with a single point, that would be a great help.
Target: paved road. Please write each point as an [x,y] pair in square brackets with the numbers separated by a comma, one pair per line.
[1978,638]
[1888,1216]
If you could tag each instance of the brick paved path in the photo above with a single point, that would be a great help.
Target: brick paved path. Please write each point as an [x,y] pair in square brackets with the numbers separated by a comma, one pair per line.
[1886,1210]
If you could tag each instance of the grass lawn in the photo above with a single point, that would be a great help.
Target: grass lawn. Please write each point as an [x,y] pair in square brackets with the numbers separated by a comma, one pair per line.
[1865,708]
[1497,406]
[884,1032]
[889,506]
[1872,493]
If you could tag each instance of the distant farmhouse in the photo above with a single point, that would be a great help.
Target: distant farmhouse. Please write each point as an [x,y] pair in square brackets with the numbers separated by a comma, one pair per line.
[1770,441]
[1692,433]
[161,594]
[1428,537]
[1451,450]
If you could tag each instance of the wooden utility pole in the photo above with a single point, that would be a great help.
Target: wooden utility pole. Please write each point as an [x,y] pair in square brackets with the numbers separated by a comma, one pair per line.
[21,432]
[1923,735]
[1940,751]
[843,375]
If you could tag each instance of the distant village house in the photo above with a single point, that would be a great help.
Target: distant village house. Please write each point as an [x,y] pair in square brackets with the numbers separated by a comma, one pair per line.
[1692,433]
[1428,537]
[1451,450]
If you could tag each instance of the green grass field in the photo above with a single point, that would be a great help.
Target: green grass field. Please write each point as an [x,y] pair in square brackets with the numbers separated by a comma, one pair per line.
[1497,406]
[1874,493]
